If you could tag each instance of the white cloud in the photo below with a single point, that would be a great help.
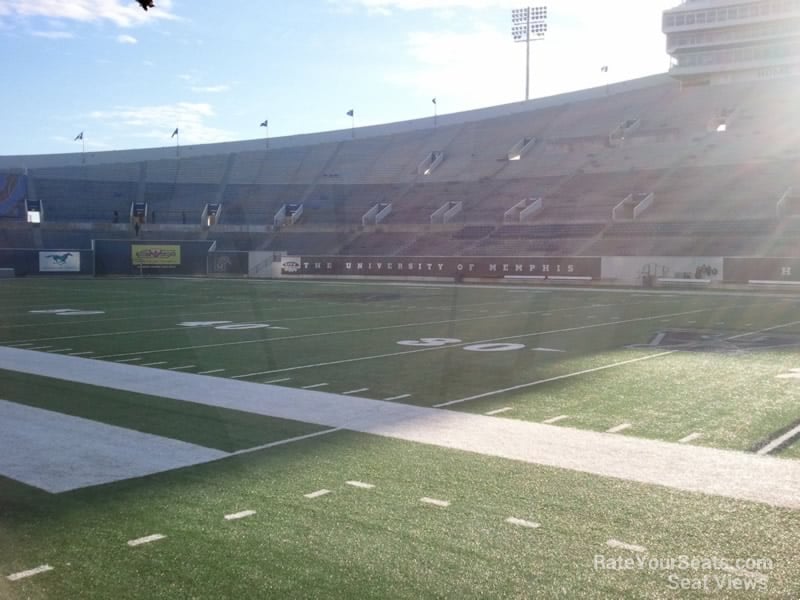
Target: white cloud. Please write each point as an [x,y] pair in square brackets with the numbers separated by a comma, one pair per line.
[157,122]
[211,89]
[54,35]
[127,39]
[121,13]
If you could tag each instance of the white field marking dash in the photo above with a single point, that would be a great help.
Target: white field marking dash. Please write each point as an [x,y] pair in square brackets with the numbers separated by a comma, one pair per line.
[25,345]
[435,502]
[316,494]
[360,484]
[146,540]
[779,440]
[81,353]
[522,523]
[298,438]
[240,515]
[279,380]
[153,364]
[690,438]
[658,339]
[182,368]
[618,428]
[127,360]
[623,546]
[211,371]
[555,419]
[316,385]
[61,350]
[402,397]
[358,391]
[40,348]
[29,573]
[547,350]
[499,411]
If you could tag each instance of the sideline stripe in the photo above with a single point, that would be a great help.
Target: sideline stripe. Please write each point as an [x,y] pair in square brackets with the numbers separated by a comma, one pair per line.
[240,515]
[623,546]
[315,386]
[29,573]
[146,540]
[460,345]
[499,411]
[618,428]
[522,523]
[690,438]
[358,391]
[555,419]
[557,378]
[316,494]
[360,484]
[779,441]
[403,397]
[435,502]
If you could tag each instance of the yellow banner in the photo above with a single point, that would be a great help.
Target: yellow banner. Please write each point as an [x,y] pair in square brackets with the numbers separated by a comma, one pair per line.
[155,255]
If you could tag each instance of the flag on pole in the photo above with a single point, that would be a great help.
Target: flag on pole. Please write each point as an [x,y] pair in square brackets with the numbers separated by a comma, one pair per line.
[78,137]
[174,133]
[434,100]
[265,123]
[604,69]
[351,112]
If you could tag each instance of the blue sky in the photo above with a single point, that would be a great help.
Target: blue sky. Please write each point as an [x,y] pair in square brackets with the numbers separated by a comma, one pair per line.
[217,69]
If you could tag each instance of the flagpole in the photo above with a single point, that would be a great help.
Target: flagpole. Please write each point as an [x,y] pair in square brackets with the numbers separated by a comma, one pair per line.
[177,142]
[83,149]
[435,112]
[353,125]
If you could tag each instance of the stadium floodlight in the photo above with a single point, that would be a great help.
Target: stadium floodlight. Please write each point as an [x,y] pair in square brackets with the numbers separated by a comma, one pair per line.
[528,25]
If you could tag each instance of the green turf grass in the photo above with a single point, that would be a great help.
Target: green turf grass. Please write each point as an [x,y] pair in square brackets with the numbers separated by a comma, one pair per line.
[378,543]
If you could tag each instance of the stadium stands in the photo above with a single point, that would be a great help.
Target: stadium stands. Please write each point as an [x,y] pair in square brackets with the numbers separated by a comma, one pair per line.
[713,191]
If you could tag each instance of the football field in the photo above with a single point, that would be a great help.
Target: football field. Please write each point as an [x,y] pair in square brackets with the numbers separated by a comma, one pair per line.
[128,437]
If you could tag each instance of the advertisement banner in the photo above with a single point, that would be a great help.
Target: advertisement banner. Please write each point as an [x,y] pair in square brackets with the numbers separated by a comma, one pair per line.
[471,266]
[742,270]
[227,263]
[155,255]
[54,262]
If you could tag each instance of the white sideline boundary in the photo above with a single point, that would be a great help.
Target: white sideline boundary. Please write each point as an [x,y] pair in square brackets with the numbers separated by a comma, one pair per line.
[700,469]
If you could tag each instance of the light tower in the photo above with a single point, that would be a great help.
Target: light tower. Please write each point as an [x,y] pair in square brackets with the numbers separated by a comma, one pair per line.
[528,25]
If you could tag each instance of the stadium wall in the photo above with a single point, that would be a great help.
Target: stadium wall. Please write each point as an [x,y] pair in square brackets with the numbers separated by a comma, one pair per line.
[47,262]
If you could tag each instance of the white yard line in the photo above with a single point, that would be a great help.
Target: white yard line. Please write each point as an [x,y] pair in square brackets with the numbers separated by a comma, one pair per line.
[153,364]
[61,350]
[451,346]
[127,360]
[282,380]
[315,386]
[81,353]
[211,371]
[291,440]
[499,411]
[780,440]
[29,573]
[690,438]
[358,391]
[182,368]
[556,378]
[393,398]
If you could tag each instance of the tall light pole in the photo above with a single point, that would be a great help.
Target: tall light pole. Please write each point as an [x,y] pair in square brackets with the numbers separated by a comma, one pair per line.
[528,25]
